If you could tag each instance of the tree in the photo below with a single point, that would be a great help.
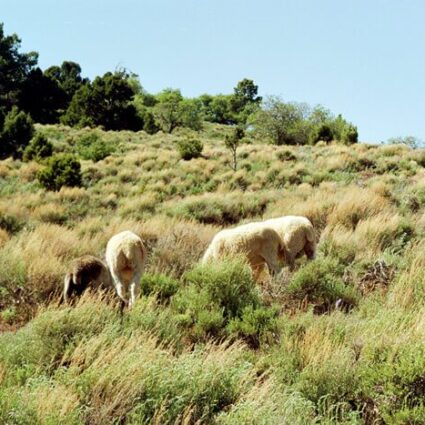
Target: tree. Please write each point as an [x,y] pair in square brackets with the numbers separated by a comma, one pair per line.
[42,97]
[14,69]
[232,143]
[217,108]
[68,77]
[322,132]
[106,102]
[282,123]
[190,114]
[244,96]
[17,132]
[38,149]
[349,135]
[167,110]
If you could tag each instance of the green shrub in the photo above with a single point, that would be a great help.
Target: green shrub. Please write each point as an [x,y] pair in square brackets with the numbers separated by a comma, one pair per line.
[92,147]
[161,285]
[18,130]
[228,283]
[189,148]
[255,325]
[61,170]
[285,155]
[320,282]
[38,149]
[349,135]
[11,223]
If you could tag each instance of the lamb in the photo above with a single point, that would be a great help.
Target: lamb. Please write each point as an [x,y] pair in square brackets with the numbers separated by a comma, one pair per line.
[260,244]
[297,234]
[126,258]
[84,272]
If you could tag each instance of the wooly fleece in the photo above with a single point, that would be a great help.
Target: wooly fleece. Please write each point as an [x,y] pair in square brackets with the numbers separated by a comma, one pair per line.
[297,234]
[84,272]
[126,258]
[260,245]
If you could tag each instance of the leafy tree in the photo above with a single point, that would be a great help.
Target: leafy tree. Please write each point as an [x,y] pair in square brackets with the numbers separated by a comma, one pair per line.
[189,114]
[282,123]
[42,97]
[217,109]
[17,132]
[106,102]
[245,96]
[38,149]
[190,148]
[14,69]
[167,110]
[232,143]
[349,135]
[322,132]
[61,170]
[68,77]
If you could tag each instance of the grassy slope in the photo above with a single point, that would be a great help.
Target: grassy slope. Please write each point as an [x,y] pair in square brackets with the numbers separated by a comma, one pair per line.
[191,352]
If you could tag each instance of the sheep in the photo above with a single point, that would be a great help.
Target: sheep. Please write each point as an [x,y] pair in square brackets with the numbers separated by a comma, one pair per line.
[260,244]
[297,234]
[84,272]
[126,258]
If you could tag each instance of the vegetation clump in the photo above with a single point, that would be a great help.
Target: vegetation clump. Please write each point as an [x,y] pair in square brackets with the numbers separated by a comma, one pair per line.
[61,170]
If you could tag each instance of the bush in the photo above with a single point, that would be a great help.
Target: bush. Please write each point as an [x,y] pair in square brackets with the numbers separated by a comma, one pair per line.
[17,132]
[255,325]
[349,135]
[320,282]
[61,170]
[221,300]
[190,148]
[91,147]
[161,285]
[38,149]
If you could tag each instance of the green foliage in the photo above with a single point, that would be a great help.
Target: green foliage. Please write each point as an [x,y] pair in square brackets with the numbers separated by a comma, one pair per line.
[232,143]
[92,147]
[172,111]
[349,135]
[217,108]
[61,170]
[17,132]
[164,287]
[282,123]
[15,68]
[189,148]
[167,110]
[322,132]
[38,149]
[320,282]
[106,102]
[255,325]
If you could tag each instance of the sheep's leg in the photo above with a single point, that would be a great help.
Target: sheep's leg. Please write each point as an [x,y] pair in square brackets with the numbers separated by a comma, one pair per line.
[134,289]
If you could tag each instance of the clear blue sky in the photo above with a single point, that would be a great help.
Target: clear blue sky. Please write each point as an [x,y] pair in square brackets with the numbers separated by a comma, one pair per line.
[362,58]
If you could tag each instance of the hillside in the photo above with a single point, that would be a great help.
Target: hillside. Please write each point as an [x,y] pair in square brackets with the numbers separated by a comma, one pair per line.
[204,344]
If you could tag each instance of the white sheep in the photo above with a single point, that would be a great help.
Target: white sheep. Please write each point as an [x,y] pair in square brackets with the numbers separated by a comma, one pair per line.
[297,234]
[260,244]
[126,258]
[84,272]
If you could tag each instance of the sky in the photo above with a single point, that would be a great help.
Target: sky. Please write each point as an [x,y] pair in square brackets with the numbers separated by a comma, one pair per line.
[364,59]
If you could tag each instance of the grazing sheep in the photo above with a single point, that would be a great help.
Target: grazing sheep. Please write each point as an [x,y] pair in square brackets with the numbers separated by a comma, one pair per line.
[297,234]
[84,272]
[261,245]
[126,257]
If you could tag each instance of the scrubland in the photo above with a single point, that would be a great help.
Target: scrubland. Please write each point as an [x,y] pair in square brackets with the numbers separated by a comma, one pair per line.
[204,344]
